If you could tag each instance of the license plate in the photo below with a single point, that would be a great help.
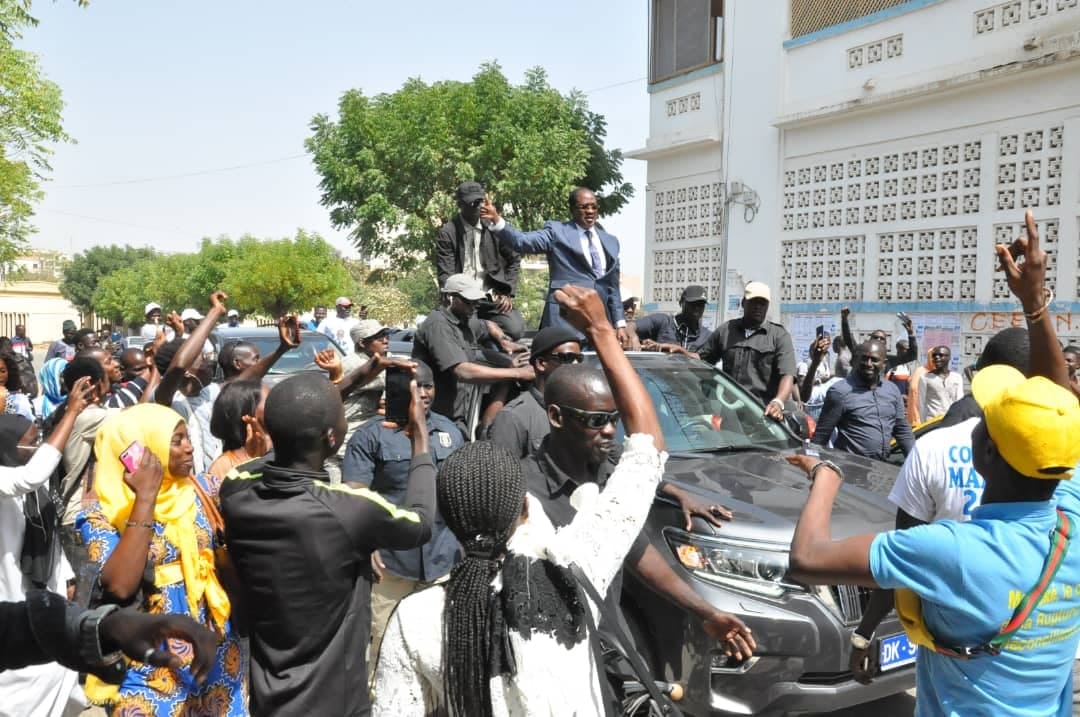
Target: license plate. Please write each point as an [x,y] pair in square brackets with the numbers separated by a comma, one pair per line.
[897,651]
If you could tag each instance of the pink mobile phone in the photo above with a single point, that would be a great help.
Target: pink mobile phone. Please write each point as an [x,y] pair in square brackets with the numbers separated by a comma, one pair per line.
[132,456]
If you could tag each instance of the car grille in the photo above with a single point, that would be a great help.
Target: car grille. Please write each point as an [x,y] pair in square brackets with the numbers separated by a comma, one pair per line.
[847,601]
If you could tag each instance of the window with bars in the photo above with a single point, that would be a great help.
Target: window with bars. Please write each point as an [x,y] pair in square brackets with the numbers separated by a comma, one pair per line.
[686,35]
[809,16]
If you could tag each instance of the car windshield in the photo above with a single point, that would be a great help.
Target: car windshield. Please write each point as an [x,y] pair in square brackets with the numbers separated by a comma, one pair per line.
[701,409]
[301,358]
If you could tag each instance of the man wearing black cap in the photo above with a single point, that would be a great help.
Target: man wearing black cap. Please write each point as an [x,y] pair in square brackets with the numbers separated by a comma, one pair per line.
[523,422]
[63,347]
[661,332]
[465,246]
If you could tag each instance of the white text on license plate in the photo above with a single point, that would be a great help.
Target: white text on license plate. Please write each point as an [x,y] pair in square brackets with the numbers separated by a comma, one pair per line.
[896,651]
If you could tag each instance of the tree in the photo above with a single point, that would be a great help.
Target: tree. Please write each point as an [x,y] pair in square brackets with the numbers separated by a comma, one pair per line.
[271,278]
[532,295]
[390,163]
[30,108]
[80,278]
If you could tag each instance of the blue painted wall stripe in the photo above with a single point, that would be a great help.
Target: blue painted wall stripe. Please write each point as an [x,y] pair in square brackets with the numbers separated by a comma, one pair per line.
[919,307]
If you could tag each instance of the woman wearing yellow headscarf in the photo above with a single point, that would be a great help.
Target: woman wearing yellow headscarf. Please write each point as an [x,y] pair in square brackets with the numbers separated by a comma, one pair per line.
[150,534]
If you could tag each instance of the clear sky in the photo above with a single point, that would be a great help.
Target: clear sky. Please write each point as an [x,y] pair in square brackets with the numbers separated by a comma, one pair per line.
[158,89]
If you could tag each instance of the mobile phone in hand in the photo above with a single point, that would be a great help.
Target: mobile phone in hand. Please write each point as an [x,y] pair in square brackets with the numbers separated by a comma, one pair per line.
[132,456]
[820,330]
[398,395]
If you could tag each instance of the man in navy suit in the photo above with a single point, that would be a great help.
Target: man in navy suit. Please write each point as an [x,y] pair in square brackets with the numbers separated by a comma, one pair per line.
[578,252]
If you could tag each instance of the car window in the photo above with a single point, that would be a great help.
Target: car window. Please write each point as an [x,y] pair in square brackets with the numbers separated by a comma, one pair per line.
[701,409]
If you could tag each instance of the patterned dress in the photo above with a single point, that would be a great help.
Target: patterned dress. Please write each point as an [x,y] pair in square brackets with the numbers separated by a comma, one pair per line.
[158,691]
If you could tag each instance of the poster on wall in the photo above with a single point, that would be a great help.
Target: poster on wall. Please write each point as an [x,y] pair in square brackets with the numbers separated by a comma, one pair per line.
[803,330]
[733,293]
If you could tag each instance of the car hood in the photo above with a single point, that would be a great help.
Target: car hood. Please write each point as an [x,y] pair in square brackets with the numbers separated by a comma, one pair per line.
[767,494]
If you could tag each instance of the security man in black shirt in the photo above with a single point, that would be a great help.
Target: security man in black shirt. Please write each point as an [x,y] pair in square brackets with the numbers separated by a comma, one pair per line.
[757,353]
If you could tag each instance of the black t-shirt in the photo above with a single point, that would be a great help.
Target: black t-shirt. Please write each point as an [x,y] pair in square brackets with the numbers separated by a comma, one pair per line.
[442,342]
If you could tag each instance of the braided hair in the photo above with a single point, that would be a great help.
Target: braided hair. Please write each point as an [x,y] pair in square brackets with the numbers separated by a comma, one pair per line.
[481,491]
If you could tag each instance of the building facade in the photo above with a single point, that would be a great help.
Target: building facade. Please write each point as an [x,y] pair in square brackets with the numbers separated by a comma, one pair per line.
[865,154]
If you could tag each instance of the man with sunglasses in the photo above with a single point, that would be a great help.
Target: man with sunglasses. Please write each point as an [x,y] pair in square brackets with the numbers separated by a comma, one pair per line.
[449,342]
[465,245]
[578,252]
[522,422]
[581,452]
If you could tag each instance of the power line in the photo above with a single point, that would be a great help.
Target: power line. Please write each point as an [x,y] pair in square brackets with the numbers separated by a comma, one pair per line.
[197,173]
[113,221]
[614,85]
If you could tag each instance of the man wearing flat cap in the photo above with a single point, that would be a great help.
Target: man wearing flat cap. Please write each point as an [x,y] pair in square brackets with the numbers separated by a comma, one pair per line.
[757,353]
[523,421]
[449,342]
[465,245]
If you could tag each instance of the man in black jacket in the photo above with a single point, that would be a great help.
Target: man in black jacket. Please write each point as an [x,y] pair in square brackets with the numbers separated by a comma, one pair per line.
[302,550]
[467,246]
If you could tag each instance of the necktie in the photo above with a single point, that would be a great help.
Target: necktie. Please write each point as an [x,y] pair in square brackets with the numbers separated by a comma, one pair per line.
[594,255]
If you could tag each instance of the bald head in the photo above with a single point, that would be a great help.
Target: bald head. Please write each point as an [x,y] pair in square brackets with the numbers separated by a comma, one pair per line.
[577,385]
[304,415]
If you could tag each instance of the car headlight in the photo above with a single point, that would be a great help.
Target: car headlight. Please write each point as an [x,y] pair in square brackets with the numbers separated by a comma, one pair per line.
[744,565]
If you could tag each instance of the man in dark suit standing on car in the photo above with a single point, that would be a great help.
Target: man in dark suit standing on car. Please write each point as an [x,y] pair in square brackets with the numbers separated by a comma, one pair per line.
[579,252]
[465,246]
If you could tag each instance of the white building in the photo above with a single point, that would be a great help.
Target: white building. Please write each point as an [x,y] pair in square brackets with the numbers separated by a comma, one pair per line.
[866,153]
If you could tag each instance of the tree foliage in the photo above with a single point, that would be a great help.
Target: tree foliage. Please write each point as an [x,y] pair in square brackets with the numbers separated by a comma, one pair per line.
[389,164]
[273,277]
[262,278]
[30,107]
[532,295]
[80,277]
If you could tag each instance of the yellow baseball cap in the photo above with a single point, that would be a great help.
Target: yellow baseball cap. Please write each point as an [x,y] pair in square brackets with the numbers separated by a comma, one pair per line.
[1034,422]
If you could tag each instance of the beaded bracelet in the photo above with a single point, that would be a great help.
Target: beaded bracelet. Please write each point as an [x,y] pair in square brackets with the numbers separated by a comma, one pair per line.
[141,524]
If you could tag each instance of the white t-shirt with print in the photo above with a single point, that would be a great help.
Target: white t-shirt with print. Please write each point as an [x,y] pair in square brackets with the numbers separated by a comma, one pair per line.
[938,480]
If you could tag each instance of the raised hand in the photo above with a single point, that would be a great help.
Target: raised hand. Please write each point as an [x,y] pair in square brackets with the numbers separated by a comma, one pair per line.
[80,395]
[289,331]
[488,211]
[582,308]
[1024,264]
[217,300]
[819,348]
[174,322]
[330,361]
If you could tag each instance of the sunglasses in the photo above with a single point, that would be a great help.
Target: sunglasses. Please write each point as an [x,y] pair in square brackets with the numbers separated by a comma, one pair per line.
[592,419]
[565,357]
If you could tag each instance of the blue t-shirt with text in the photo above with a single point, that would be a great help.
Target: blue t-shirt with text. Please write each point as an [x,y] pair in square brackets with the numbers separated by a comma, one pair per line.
[970,577]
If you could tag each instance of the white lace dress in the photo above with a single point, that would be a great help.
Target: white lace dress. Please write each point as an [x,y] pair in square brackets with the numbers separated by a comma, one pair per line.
[551,678]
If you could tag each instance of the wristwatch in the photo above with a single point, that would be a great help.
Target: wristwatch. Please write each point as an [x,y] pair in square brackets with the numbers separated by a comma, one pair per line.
[859,642]
[825,464]
[90,638]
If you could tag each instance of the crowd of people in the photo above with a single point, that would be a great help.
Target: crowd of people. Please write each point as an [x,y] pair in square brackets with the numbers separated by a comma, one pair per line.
[451,529]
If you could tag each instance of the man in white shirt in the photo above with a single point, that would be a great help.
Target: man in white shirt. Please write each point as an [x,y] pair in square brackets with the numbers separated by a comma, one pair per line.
[191,318]
[153,324]
[338,327]
[939,387]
